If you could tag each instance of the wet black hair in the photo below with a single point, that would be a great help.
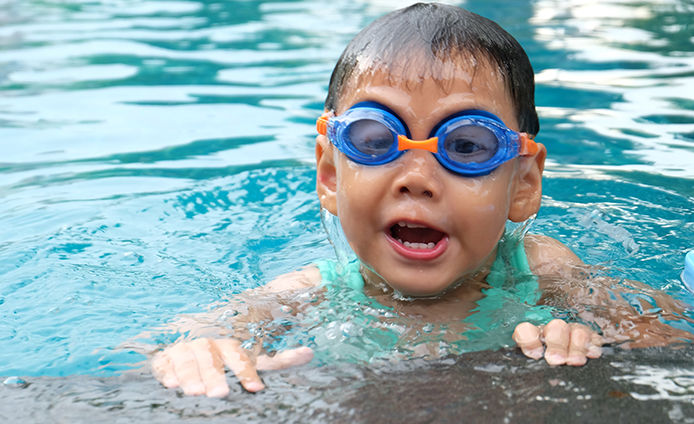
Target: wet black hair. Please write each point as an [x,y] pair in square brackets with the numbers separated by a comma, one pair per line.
[438,33]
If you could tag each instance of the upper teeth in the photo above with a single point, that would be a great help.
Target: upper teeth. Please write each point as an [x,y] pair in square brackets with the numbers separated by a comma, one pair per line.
[410,225]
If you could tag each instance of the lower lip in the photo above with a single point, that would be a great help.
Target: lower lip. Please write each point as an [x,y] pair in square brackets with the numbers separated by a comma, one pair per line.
[419,254]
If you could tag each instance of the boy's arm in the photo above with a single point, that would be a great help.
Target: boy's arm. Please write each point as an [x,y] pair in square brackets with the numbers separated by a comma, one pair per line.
[197,366]
[559,342]
[566,280]
[297,280]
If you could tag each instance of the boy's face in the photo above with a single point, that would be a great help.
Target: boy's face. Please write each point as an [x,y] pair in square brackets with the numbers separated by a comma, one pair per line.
[415,198]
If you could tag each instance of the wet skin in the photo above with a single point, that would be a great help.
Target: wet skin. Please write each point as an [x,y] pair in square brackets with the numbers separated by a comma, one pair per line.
[466,216]
[380,207]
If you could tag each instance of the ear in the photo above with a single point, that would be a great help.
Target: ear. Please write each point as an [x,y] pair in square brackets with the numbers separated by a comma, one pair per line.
[528,192]
[326,174]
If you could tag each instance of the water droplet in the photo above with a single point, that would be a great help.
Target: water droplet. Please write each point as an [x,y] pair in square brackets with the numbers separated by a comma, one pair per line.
[15,382]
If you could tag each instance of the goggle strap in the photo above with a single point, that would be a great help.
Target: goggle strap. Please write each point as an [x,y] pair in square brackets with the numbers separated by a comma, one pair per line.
[322,123]
[431,144]
[527,147]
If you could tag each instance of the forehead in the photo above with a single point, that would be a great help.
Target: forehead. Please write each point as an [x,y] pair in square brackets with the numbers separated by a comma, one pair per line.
[416,88]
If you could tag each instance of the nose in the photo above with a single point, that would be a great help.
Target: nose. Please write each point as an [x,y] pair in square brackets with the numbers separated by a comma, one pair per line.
[419,175]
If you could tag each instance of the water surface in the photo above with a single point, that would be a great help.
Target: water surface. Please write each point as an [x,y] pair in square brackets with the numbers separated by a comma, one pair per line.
[156,156]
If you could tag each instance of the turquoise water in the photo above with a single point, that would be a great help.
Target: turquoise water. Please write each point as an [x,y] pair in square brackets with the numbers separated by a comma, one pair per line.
[156,156]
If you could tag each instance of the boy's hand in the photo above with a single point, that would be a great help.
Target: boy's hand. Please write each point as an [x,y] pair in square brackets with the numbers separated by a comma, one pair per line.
[197,367]
[570,344]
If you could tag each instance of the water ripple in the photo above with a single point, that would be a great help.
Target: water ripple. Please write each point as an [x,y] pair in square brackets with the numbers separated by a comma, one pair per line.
[163,147]
[642,55]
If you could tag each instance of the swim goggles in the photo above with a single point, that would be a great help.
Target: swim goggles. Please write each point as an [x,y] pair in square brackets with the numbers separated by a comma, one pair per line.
[470,143]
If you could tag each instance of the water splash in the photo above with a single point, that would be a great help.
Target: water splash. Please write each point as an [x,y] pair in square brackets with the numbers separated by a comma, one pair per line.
[337,238]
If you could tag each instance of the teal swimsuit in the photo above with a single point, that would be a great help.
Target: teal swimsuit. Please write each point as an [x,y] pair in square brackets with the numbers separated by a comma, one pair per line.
[511,298]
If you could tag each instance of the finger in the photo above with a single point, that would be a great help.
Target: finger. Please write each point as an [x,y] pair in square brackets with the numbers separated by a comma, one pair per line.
[163,370]
[527,337]
[285,359]
[579,342]
[210,367]
[186,369]
[595,348]
[240,364]
[557,336]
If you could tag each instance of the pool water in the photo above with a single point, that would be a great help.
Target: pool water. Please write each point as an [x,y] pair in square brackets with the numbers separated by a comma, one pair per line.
[156,156]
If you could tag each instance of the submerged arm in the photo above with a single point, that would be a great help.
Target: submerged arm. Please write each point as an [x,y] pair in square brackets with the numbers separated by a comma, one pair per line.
[568,283]
[197,365]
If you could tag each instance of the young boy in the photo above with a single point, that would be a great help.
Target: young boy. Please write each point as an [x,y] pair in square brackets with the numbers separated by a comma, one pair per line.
[425,151]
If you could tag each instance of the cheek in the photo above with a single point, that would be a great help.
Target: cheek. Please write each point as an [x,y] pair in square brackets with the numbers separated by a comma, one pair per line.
[484,226]
[349,181]
[356,224]
[352,176]
[482,207]
[357,190]
[358,185]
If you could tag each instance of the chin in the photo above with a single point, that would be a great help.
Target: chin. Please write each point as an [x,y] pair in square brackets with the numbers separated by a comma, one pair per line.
[411,282]
[416,290]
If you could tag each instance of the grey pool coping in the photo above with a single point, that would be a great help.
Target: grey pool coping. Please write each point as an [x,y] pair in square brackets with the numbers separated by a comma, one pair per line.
[644,385]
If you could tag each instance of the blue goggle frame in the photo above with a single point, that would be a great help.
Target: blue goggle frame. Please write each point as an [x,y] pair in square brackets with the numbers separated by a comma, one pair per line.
[509,143]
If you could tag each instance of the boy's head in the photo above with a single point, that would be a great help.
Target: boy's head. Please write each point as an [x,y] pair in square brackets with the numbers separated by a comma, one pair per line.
[431,40]
[441,79]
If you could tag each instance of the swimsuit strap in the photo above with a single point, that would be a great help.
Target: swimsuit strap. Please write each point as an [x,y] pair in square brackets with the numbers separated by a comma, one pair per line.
[511,277]
[332,271]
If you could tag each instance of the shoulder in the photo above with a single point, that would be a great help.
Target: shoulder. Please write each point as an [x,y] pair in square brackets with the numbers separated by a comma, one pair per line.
[547,256]
[297,280]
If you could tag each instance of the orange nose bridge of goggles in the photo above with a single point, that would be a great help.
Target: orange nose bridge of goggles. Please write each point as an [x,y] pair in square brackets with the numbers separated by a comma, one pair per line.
[431,144]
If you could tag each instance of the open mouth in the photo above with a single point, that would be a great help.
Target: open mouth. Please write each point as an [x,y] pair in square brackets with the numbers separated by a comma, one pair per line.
[415,236]
[416,241]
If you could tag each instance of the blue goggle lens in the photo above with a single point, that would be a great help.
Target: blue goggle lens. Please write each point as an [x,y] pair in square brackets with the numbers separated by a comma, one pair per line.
[370,137]
[470,143]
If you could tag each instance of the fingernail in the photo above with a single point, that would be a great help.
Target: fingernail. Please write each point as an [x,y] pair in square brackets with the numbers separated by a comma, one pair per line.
[306,353]
[254,386]
[594,351]
[555,359]
[535,353]
[195,389]
[577,360]
[218,392]
[170,382]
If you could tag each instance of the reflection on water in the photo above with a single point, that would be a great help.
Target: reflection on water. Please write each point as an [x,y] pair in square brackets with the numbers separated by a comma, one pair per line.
[155,156]
[613,88]
[638,59]
[154,159]
[660,383]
